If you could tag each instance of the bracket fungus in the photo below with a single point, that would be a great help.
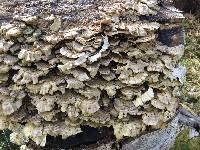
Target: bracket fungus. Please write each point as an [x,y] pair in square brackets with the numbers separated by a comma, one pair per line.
[70,63]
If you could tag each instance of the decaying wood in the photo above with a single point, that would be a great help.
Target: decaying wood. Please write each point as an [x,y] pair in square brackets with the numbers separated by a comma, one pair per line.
[164,138]
[68,64]
[161,139]
[188,6]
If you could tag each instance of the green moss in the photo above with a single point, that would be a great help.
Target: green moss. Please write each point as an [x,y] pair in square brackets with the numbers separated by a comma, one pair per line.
[191,60]
[191,89]
[5,143]
[184,143]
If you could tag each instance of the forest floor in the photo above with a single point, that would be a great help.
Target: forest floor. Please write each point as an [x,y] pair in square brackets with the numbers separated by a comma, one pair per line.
[191,90]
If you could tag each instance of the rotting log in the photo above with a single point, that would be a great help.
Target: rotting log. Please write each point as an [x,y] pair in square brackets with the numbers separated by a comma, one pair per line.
[89,72]
[188,6]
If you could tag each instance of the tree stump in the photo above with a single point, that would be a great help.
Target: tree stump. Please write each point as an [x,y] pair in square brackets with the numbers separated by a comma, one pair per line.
[87,74]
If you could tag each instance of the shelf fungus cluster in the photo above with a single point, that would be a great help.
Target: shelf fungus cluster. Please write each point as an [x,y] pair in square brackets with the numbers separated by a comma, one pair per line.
[97,63]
